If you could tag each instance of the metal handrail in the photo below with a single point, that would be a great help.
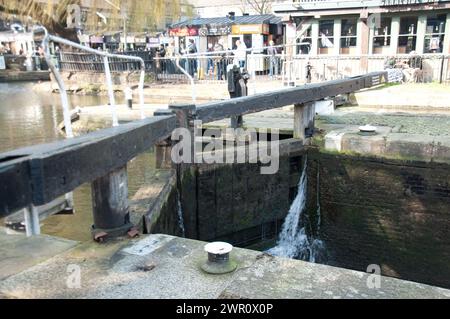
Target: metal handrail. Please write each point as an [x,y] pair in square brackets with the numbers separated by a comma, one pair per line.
[106,55]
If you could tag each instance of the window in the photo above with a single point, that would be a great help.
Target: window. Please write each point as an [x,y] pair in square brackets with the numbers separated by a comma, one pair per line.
[408,35]
[348,36]
[434,35]
[382,36]
[326,36]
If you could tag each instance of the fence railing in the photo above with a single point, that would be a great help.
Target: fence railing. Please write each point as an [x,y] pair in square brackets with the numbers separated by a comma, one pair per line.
[91,62]
[301,68]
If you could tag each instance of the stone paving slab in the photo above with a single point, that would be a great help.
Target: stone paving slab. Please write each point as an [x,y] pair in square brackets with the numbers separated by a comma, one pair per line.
[161,266]
[17,252]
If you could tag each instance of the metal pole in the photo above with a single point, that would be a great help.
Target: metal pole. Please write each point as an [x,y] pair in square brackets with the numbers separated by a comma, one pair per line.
[112,100]
[141,91]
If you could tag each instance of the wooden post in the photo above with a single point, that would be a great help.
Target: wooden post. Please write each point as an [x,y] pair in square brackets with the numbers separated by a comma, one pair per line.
[163,152]
[303,120]
[110,204]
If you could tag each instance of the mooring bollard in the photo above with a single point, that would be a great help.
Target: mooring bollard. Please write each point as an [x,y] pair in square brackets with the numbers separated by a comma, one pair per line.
[219,261]
[110,205]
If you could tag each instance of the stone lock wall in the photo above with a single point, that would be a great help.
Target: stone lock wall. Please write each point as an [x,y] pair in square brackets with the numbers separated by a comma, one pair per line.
[395,214]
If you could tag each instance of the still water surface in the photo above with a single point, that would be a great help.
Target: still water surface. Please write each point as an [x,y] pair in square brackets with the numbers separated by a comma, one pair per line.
[30,117]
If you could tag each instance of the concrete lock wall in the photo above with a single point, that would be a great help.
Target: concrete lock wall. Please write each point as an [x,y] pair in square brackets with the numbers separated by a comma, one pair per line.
[395,214]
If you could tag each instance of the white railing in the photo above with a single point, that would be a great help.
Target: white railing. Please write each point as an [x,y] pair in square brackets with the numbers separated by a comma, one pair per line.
[106,56]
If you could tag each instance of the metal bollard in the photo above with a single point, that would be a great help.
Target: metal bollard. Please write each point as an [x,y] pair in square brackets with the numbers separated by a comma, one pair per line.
[237,87]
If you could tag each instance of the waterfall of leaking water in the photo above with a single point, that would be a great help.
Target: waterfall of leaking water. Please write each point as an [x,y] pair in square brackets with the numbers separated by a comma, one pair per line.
[179,205]
[294,241]
[180,215]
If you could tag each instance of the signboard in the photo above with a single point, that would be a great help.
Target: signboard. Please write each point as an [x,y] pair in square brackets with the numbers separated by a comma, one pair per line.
[183,32]
[153,42]
[2,63]
[214,30]
[141,40]
[96,39]
[130,39]
[250,29]
[84,38]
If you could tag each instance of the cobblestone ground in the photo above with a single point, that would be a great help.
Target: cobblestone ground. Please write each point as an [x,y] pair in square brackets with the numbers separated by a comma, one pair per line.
[435,125]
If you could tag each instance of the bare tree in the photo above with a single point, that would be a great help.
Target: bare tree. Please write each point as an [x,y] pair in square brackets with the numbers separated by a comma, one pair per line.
[260,6]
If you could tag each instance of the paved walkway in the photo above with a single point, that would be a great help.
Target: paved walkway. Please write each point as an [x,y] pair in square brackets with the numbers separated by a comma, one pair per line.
[161,266]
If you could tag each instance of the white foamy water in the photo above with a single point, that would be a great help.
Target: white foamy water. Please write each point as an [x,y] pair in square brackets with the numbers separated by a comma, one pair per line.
[180,215]
[293,241]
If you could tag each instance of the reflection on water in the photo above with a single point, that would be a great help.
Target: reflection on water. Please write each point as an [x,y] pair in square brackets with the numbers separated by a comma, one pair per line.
[29,118]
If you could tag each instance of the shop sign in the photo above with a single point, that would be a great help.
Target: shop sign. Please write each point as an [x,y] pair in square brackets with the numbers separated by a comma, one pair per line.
[153,41]
[84,38]
[141,40]
[130,39]
[96,39]
[183,32]
[250,29]
[213,30]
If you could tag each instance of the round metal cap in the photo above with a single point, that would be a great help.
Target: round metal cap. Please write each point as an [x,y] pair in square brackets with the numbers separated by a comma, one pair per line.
[218,248]
[368,129]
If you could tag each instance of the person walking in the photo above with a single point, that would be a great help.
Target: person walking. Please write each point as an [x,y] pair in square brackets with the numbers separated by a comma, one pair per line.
[220,57]
[272,52]
[240,54]
[192,49]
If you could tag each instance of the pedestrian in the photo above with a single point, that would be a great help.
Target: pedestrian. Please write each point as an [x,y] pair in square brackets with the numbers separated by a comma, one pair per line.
[220,57]
[162,55]
[272,52]
[191,50]
[240,54]
[210,66]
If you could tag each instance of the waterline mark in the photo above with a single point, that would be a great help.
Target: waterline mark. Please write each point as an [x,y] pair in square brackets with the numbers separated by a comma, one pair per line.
[227,146]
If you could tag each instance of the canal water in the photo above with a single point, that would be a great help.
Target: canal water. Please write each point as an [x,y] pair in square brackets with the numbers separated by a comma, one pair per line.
[30,117]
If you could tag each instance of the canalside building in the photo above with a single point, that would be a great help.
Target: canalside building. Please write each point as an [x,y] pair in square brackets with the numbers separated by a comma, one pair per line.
[369,27]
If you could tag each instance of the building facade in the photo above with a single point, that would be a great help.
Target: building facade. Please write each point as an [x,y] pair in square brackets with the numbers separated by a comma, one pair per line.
[369,27]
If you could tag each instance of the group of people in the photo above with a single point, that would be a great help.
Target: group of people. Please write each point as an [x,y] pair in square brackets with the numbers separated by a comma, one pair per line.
[411,67]
[217,58]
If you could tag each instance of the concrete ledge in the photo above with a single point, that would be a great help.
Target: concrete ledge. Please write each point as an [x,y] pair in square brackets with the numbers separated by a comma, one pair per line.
[160,266]
[17,252]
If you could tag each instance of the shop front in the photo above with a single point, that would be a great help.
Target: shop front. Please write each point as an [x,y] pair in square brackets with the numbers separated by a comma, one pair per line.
[97,42]
[182,35]
[112,41]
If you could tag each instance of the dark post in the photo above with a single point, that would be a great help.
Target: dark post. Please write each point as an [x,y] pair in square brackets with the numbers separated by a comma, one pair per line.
[110,204]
